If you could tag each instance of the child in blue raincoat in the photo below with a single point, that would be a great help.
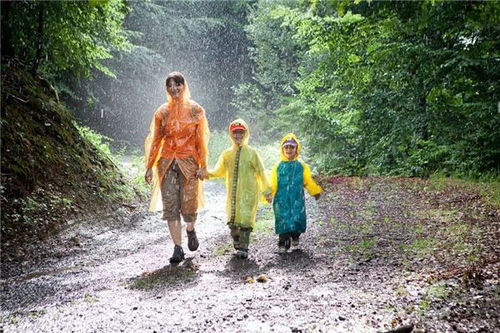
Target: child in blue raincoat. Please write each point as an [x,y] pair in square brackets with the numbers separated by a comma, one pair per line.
[288,179]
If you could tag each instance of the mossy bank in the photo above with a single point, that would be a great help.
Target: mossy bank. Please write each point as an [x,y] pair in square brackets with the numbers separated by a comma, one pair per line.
[51,171]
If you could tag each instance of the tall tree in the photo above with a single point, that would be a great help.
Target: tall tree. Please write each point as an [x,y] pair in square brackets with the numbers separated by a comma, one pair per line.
[54,37]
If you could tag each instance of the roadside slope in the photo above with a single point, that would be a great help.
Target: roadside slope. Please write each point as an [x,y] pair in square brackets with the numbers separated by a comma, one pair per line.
[50,172]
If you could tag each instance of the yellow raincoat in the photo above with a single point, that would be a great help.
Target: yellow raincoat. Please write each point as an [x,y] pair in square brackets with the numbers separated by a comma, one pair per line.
[244,187]
[288,179]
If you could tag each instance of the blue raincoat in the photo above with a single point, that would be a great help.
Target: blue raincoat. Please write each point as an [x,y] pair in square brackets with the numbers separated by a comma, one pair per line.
[287,181]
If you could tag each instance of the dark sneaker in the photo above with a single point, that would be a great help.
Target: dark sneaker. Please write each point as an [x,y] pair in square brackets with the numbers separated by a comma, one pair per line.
[242,254]
[178,255]
[287,243]
[192,240]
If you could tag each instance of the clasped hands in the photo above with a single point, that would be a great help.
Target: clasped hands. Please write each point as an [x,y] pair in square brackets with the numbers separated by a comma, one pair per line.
[202,173]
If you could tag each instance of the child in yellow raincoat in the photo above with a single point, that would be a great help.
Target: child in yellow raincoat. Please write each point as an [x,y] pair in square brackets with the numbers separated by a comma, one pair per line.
[288,179]
[246,181]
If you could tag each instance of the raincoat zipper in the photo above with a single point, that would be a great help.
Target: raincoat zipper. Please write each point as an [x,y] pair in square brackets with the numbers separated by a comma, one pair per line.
[235,185]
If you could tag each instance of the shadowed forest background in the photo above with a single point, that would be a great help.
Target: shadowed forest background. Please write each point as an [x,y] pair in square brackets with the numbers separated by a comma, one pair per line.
[407,88]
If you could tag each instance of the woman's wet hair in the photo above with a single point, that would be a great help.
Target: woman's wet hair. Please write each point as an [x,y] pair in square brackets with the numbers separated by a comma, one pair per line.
[177,77]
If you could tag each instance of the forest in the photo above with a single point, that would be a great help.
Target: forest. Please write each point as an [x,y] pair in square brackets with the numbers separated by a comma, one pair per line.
[397,108]
[373,87]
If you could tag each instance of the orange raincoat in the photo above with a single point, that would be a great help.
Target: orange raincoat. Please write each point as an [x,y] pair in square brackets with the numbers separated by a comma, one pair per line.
[179,131]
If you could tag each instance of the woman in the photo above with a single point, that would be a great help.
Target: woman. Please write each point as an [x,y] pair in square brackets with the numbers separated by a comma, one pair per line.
[176,160]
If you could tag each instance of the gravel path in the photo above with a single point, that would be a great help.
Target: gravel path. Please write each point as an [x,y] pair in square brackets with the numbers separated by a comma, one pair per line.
[113,276]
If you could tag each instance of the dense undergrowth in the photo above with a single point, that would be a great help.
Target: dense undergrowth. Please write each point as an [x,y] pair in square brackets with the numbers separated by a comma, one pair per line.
[52,169]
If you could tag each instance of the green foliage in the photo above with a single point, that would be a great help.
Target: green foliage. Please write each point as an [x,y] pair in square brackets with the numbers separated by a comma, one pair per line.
[276,55]
[52,169]
[61,36]
[137,175]
[220,141]
[406,88]
[99,141]
[204,40]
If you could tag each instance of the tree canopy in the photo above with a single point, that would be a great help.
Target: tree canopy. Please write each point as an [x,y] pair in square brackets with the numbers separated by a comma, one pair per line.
[384,87]
[373,87]
[54,37]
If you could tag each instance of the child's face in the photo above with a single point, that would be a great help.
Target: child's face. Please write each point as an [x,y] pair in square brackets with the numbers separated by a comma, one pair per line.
[290,151]
[238,136]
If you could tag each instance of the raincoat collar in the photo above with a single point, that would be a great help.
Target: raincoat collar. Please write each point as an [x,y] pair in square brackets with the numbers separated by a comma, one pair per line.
[246,136]
[299,146]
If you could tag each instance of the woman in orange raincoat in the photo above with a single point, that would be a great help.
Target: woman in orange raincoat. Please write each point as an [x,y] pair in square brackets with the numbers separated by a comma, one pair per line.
[176,160]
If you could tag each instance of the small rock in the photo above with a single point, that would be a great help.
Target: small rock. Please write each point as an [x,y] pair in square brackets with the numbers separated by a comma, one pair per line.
[262,278]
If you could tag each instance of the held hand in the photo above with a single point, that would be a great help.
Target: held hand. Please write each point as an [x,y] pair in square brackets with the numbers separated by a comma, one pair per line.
[269,198]
[148,177]
[202,173]
[317,196]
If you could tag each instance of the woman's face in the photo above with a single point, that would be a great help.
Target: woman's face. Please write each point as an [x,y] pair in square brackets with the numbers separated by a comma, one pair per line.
[175,89]
[238,136]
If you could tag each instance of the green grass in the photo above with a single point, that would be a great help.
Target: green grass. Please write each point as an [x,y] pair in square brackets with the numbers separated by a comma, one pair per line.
[264,223]
[223,249]
[420,247]
[490,192]
[10,319]
[90,298]
[363,247]
[438,290]
[439,215]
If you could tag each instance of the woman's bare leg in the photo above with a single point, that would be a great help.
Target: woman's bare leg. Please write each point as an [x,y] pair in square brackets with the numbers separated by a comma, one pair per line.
[175,228]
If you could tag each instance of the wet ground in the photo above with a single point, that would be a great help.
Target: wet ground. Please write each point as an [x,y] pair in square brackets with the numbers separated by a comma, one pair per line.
[372,260]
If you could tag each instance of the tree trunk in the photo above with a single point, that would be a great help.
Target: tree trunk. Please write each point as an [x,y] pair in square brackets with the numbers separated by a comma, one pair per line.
[39,48]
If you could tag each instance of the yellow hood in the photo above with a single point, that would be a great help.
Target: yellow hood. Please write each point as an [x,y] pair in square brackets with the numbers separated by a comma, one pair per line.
[299,146]
[246,137]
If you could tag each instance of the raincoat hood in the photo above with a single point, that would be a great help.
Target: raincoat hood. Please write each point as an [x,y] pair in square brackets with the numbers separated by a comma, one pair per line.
[299,146]
[246,136]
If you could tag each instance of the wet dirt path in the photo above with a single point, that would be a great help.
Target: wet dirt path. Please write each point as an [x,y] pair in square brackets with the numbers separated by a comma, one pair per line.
[348,276]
